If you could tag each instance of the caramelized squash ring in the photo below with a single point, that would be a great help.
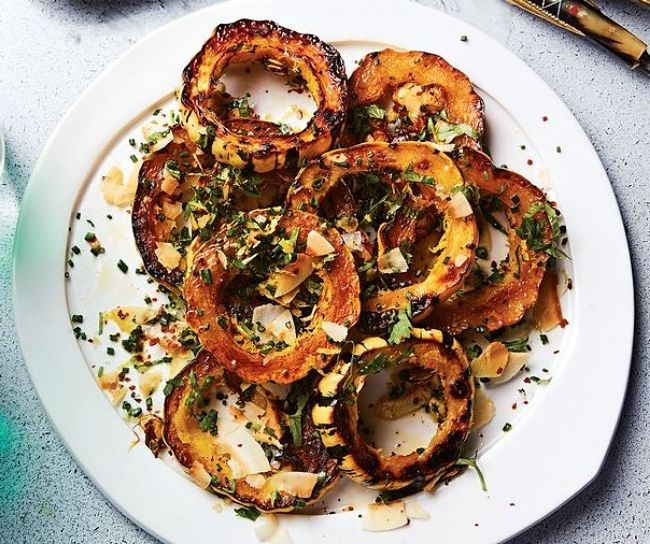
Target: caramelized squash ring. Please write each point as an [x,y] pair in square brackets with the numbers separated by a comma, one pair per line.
[322,177]
[383,72]
[203,452]
[336,413]
[338,303]
[148,221]
[246,41]
[497,305]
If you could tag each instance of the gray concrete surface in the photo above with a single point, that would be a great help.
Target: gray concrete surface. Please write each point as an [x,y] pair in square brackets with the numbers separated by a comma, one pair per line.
[51,50]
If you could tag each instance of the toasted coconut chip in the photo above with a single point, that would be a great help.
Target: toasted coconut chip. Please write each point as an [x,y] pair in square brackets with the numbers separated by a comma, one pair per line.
[392,262]
[246,455]
[484,410]
[385,517]
[492,362]
[256,481]
[265,527]
[516,361]
[200,476]
[149,382]
[293,275]
[353,240]
[336,332]
[547,312]
[172,210]
[116,190]
[460,206]
[317,244]
[300,484]
[167,255]
[414,510]
[110,383]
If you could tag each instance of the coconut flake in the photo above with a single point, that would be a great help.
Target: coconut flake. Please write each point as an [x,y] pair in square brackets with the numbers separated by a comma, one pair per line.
[385,517]
[167,255]
[516,361]
[292,275]
[392,262]
[460,206]
[414,510]
[246,455]
[353,240]
[336,332]
[265,315]
[265,527]
[484,410]
[149,382]
[200,476]
[298,484]
[492,362]
[317,244]
[116,190]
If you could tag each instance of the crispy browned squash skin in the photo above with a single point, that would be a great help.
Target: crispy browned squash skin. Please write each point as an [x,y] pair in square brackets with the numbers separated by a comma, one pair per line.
[499,305]
[324,176]
[338,303]
[381,72]
[190,445]
[281,50]
[148,229]
[337,420]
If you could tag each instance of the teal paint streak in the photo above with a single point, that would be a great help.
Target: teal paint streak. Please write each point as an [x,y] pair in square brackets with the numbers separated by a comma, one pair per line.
[11,481]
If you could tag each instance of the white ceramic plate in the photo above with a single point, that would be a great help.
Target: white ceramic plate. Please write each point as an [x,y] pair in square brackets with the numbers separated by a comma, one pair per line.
[558,441]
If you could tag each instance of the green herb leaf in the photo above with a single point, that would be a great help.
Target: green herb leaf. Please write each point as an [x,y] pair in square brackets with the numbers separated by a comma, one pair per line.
[401,329]
[472,462]
[247,513]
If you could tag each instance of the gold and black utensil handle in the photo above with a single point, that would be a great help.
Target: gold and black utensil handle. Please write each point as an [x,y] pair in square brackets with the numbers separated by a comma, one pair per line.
[584,18]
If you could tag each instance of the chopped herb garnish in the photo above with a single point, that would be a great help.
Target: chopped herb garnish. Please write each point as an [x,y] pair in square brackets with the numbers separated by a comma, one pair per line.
[77,318]
[122,266]
[507,427]
[472,462]
[517,346]
[206,276]
[248,513]
[295,420]
[401,329]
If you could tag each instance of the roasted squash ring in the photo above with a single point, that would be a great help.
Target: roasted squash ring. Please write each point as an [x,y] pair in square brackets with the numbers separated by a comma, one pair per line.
[336,412]
[156,193]
[422,85]
[493,306]
[456,247]
[207,447]
[282,50]
[337,303]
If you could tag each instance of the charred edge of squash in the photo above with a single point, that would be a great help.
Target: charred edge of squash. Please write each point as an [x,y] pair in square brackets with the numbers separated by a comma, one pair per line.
[327,67]
[500,304]
[144,218]
[289,365]
[475,107]
[335,418]
[312,456]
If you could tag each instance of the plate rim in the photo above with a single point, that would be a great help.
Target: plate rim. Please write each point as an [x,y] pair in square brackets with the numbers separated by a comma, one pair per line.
[405,8]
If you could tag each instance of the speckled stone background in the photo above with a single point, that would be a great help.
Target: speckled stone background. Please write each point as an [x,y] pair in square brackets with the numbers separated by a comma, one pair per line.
[51,50]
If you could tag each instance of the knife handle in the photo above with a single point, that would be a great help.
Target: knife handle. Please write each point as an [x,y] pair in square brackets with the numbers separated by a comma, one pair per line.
[584,18]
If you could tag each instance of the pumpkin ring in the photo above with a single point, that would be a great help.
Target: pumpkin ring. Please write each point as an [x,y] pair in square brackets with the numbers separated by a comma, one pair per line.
[423,86]
[496,305]
[441,191]
[336,412]
[219,331]
[216,452]
[318,64]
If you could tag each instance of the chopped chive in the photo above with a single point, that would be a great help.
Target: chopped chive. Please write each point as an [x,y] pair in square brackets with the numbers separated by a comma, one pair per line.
[133,158]
[110,350]
[507,427]
[90,236]
[77,318]
[122,266]
[75,250]
[100,372]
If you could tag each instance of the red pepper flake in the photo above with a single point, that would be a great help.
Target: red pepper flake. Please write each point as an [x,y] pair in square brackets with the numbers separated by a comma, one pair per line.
[545,118]
[530,162]
[514,405]
[512,504]
[525,402]
[131,387]
[527,380]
